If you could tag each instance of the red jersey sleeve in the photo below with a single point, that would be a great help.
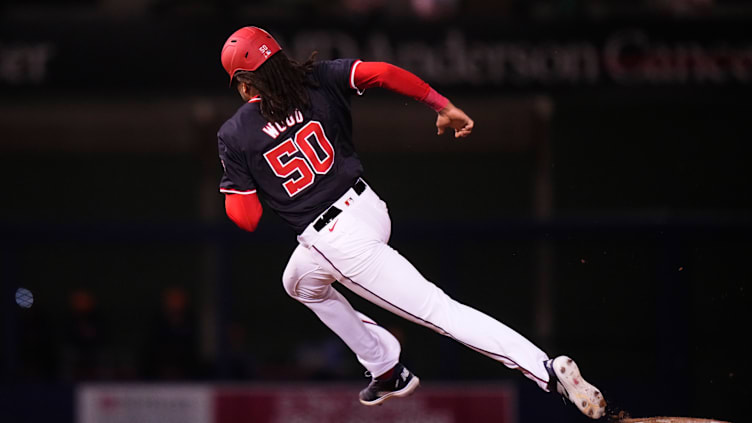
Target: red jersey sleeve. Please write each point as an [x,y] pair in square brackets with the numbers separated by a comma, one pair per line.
[244,210]
[380,74]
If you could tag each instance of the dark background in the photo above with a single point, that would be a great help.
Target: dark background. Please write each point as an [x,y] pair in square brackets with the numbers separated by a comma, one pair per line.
[600,208]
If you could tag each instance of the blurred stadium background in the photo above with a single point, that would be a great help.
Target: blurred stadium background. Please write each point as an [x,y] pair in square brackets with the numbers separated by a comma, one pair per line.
[602,208]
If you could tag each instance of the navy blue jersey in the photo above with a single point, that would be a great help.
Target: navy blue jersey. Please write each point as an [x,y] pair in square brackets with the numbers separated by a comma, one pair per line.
[301,167]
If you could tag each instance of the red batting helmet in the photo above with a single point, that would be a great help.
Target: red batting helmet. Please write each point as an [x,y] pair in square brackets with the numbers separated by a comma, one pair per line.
[247,49]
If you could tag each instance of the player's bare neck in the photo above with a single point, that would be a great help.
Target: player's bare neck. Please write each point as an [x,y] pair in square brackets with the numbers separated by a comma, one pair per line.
[247,91]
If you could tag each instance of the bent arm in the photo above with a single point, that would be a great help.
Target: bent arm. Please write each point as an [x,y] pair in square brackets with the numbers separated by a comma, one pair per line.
[244,210]
[380,74]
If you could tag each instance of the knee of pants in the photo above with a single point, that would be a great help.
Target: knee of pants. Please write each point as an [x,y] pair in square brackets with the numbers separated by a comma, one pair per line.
[290,281]
[306,287]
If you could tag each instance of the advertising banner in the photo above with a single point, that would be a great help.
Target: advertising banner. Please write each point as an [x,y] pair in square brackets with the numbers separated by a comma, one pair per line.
[143,404]
[119,56]
[330,403]
[456,404]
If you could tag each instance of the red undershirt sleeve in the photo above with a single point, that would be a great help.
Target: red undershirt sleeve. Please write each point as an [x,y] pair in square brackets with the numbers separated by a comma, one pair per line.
[244,210]
[380,74]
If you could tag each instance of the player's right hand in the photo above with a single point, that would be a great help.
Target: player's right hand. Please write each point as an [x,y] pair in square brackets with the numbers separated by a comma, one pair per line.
[453,117]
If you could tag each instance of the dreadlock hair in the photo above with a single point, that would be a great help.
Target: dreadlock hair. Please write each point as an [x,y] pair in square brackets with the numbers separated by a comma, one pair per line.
[281,82]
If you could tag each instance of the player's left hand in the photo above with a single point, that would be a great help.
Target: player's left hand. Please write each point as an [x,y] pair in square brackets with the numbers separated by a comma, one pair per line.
[453,117]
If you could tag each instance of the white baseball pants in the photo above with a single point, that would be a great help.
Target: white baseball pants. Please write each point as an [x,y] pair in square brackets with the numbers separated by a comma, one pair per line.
[353,250]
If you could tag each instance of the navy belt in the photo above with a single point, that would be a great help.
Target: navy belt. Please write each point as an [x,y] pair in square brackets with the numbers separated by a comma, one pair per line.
[333,212]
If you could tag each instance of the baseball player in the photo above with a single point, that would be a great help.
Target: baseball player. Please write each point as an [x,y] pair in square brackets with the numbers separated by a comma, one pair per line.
[290,145]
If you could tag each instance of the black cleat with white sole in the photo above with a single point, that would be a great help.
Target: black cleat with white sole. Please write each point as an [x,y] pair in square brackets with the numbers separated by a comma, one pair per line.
[565,378]
[401,384]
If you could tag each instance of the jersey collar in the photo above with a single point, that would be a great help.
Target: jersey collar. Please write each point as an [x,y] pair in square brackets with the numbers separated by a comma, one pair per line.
[255,99]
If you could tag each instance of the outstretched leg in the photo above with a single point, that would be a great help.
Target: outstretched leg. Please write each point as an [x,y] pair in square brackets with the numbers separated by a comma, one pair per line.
[393,283]
[357,254]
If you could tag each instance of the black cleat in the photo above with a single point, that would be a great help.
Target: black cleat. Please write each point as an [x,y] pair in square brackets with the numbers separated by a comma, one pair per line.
[401,384]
